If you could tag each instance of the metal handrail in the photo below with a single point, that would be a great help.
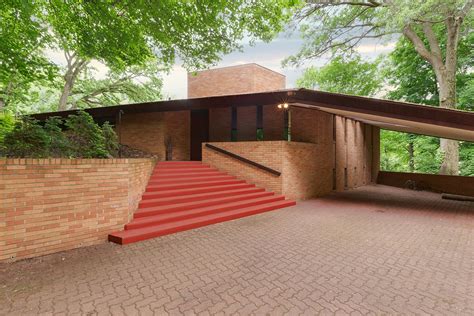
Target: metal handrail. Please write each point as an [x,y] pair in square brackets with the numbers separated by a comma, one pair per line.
[245,160]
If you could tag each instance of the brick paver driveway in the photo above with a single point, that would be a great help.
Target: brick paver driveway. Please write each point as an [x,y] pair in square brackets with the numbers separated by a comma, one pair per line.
[374,250]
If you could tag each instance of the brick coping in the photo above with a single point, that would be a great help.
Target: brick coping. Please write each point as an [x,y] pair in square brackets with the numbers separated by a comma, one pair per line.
[67,161]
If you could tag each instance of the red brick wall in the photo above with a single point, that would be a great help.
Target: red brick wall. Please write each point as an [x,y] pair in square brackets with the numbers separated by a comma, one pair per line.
[148,131]
[311,158]
[306,169]
[220,120]
[269,154]
[272,123]
[355,153]
[246,78]
[433,182]
[247,123]
[220,124]
[311,126]
[51,205]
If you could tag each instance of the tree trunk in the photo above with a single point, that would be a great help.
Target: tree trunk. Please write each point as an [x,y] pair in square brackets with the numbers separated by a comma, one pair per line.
[411,154]
[447,99]
[74,67]
[68,84]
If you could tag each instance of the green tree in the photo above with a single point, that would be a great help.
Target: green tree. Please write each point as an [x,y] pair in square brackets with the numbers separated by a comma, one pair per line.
[86,137]
[344,75]
[134,84]
[22,38]
[340,26]
[125,33]
[412,79]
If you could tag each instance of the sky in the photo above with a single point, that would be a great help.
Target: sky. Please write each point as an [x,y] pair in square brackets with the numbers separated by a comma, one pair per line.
[269,55]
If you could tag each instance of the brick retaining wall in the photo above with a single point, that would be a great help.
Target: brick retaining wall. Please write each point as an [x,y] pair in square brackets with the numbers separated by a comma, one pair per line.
[306,169]
[51,205]
[432,182]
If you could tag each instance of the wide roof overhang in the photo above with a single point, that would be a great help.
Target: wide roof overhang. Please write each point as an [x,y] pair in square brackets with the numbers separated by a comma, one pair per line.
[391,115]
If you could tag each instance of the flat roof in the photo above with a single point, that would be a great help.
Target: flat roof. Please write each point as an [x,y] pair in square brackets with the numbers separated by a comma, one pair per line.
[236,66]
[387,114]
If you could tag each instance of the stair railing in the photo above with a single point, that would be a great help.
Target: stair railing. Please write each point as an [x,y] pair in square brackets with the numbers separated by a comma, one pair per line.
[244,160]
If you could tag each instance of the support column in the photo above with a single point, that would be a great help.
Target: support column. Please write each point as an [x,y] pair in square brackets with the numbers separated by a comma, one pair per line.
[233,132]
[375,153]
[259,122]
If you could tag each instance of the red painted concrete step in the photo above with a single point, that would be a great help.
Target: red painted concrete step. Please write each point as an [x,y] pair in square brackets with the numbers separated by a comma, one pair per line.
[181,192]
[189,180]
[187,175]
[196,197]
[176,186]
[134,235]
[186,195]
[174,207]
[166,217]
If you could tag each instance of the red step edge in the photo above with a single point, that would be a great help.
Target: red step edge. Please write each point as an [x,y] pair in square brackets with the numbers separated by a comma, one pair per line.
[196,197]
[152,232]
[177,207]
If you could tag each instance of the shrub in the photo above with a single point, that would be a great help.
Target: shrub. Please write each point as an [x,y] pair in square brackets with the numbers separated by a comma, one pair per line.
[27,139]
[85,136]
[58,144]
[7,123]
[110,139]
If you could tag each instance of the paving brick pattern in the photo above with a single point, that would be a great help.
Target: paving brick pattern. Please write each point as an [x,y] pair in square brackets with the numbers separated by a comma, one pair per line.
[372,250]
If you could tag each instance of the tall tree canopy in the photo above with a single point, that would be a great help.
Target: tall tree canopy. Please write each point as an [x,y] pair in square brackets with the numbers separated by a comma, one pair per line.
[122,34]
[338,27]
[22,38]
[412,79]
[344,75]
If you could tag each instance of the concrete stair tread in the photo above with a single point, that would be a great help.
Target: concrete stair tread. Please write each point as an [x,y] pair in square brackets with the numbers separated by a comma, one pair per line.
[189,170]
[133,235]
[187,175]
[198,197]
[181,192]
[213,209]
[189,180]
[206,183]
[146,211]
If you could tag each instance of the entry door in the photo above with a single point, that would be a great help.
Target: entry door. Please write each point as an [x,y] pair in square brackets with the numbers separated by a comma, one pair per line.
[199,132]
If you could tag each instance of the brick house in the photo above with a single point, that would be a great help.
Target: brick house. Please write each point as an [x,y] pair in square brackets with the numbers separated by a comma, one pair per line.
[241,110]
[263,147]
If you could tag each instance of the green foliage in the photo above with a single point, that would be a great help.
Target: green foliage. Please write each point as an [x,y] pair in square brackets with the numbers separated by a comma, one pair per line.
[58,144]
[396,155]
[413,80]
[338,27]
[23,38]
[260,135]
[110,139]
[7,123]
[134,84]
[466,164]
[413,77]
[85,136]
[344,75]
[120,35]
[27,139]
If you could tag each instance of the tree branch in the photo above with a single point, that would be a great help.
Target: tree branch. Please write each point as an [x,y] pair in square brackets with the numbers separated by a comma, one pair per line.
[372,4]
[419,46]
[432,40]
[465,10]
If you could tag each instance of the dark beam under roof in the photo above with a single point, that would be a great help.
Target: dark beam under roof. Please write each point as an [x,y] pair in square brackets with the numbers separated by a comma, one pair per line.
[384,113]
